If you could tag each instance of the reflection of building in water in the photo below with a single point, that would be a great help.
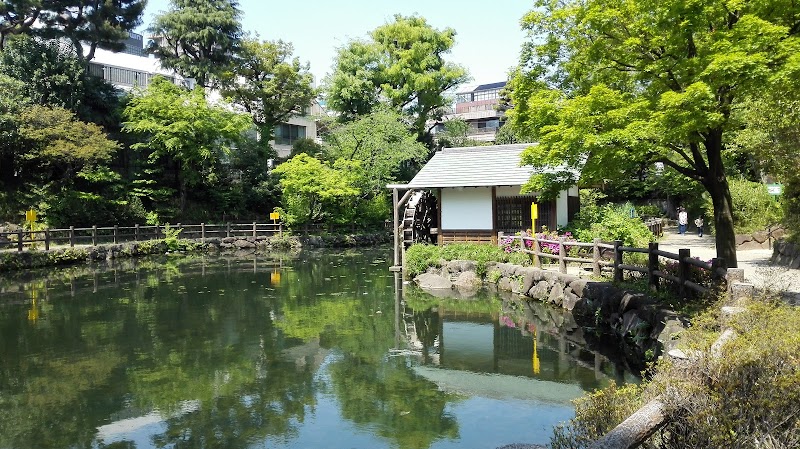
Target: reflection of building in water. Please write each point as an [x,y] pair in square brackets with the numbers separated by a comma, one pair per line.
[482,343]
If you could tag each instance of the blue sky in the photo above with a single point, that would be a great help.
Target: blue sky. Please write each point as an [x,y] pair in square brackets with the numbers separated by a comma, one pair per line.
[487,44]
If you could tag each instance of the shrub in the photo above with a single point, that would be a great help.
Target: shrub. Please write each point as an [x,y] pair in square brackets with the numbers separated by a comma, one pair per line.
[754,208]
[421,256]
[610,223]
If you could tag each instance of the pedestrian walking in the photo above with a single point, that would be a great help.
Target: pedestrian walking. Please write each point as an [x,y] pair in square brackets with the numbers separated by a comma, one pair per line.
[683,220]
[699,223]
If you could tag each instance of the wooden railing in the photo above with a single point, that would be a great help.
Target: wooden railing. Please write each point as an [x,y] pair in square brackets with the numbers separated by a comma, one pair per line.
[600,259]
[655,225]
[95,235]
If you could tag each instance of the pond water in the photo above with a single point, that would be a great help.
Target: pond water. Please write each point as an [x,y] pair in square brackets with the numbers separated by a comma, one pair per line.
[307,351]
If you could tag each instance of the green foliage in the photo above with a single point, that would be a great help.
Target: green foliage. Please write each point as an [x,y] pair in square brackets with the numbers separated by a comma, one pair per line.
[455,134]
[180,126]
[420,256]
[83,209]
[609,87]
[198,38]
[596,414]
[380,141]
[401,65]
[754,209]
[307,146]
[609,223]
[314,191]
[269,84]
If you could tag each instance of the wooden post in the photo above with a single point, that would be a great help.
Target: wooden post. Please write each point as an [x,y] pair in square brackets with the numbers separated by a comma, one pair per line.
[94,235]
[718,279]
[202,232]
[617,261]
[255,231]
[652,266]
[47,239]
[683,270]
[136,232]
[72,236]
[229,230]
[280,229]
[562,263]
[596,258]
[20,236]
[537,249]
[396,225]
[500,235]
[116,231]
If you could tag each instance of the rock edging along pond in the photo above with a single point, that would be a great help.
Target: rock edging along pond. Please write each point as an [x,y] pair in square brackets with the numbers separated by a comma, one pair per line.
[633,317]
[21,260]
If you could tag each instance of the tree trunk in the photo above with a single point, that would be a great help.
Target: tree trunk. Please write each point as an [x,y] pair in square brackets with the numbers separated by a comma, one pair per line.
[716,183]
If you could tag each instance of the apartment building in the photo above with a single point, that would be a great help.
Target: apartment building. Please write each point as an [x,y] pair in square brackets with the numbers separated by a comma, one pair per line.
[479,106]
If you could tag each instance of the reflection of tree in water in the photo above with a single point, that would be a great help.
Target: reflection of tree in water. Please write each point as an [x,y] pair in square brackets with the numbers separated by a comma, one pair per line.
[392,398]
[427,324]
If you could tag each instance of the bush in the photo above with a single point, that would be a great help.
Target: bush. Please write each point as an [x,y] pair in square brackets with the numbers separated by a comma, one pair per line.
[754,209]
[84,209]
[746,396]
[421,256]
[609,223]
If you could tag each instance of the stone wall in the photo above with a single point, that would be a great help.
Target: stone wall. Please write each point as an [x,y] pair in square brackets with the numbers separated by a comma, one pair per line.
[759,239]
[634,318]
[786,254]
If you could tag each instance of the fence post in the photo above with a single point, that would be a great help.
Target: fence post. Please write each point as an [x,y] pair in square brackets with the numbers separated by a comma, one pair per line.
[116,231]
[280,229]
[596,258]
[229,230]
[652,266]
[20,236]
[255,232]
[562,264]
[617,261]
[683,270]
[72,236]
[136,232]
[718,279]
[537,262]
[47,239]
[94,235]
[202,232]
[500,235]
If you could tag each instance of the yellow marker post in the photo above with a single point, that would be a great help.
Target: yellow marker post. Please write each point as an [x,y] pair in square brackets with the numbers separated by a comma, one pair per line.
[30,217]
[274,216]
[534,215]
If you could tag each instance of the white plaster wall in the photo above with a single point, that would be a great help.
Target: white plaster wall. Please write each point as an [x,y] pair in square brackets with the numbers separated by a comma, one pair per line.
[573,191]
[562,209]
[467,208]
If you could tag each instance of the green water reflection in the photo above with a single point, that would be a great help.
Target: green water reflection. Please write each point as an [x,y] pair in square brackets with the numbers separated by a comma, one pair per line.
[287,352]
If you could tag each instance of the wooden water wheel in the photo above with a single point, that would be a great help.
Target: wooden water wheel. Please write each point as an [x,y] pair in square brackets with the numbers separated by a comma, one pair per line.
[420,219]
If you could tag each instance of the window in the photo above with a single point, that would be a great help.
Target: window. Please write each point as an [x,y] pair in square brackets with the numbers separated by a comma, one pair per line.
[286,134]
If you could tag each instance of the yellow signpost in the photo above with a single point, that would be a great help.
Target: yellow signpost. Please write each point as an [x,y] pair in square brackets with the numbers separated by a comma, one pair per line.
[30,218]
[274,216]
[534,215]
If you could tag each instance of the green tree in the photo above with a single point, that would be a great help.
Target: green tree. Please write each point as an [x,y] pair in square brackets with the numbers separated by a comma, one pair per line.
[605,86]
[269,84]
[402,65]
[382,144]
[456,134]
[100,24]
[181,127]
[17,17]
[198,39]
[314,191]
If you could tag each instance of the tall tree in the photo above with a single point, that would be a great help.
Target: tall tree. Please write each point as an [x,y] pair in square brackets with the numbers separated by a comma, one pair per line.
[179,126]
[402,65]
[98,23]
[605,86]
[198,38]
[269,84]
[17,17]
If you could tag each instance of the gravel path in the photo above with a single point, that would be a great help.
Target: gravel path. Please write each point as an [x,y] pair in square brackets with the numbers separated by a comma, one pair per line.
[756,262]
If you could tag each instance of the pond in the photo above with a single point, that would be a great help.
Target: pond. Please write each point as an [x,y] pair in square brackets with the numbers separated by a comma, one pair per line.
[305,351]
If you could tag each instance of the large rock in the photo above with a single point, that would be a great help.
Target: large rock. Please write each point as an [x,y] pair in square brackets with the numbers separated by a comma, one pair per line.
[556,296]
[467,280]
[431,281]
[540,291]
[244,244]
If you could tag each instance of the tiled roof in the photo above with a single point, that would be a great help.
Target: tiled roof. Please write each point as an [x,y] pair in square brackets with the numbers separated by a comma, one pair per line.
[496,165]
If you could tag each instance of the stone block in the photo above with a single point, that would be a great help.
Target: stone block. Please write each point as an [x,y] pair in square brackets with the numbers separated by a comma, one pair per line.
[506,284]
[742,291]
[632,301]
[431,281]
[579,286]
[569,301]
[760,236]
[742,238]
[467,280]
[244,244]
[556,296]
[752,244]
[228,239]
[528,281]
[540,290]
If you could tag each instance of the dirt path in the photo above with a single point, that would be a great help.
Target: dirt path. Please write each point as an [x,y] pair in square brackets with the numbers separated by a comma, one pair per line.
[756,262]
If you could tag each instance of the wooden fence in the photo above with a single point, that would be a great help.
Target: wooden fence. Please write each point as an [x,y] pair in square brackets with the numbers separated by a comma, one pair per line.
[95,235]
[611,256]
